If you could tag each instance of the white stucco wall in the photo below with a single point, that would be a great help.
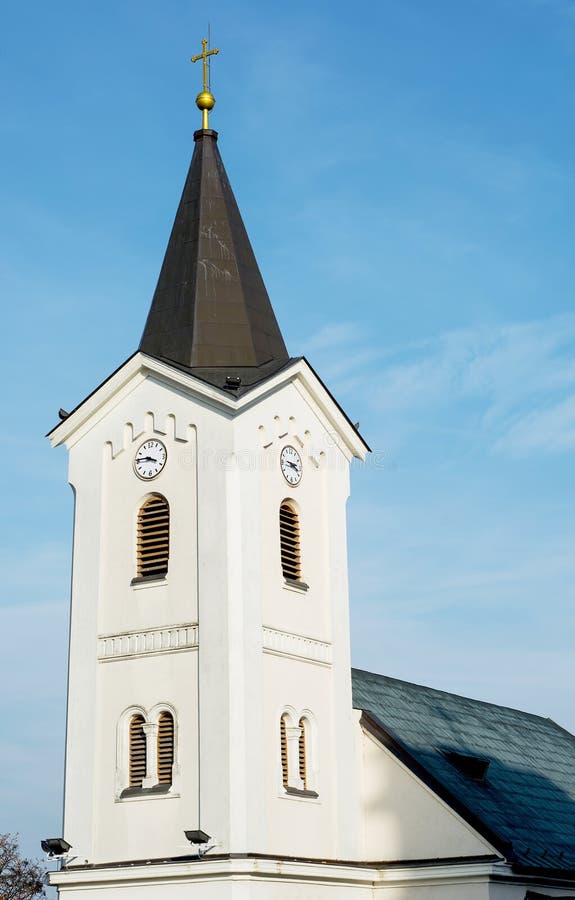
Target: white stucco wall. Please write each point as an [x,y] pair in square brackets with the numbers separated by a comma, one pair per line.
[224,592]
[402,818]
[107,608]
[282,677]
[517,890]
[135,828]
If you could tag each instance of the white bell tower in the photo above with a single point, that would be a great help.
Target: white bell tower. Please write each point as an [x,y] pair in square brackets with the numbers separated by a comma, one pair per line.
[209,678]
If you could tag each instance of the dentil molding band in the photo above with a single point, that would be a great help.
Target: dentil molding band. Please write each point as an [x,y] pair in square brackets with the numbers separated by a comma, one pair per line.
[185,637]
[142,643]
[282,643]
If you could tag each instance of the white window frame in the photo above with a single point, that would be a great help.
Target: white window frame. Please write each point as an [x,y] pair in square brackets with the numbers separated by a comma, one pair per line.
[294,788]
[151,724]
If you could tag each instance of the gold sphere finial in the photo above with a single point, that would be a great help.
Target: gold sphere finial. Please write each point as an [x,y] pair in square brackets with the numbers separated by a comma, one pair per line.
[205,99]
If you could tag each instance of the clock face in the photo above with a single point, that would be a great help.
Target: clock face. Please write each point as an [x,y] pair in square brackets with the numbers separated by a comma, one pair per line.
[150,459]
[291,465]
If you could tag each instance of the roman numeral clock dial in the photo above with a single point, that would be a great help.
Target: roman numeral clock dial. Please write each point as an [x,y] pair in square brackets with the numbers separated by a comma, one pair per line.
[291,465]
[150,459]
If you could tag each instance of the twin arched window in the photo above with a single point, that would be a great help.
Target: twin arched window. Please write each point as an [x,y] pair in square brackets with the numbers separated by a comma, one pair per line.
[153,537]
[290,541]
[295,747]
[151,751]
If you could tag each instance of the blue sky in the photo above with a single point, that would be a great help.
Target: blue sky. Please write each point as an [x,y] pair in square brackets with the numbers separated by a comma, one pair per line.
[405,171]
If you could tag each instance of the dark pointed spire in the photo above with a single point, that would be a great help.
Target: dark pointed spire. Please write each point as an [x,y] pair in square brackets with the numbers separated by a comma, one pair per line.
[211,310]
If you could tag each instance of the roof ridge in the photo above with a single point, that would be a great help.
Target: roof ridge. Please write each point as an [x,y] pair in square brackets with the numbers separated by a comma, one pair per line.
[560,728]
[423,687]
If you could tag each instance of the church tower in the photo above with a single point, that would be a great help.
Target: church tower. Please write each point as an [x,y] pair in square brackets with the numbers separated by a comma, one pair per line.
[209,674]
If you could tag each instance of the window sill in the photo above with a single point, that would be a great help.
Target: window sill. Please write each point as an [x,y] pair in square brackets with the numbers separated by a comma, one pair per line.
[299,792]
[146,581]
[157,792]
[292,585]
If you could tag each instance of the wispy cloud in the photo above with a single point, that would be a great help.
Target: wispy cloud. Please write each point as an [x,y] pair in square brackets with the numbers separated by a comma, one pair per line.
[513,382]
[442,583]
[548,430]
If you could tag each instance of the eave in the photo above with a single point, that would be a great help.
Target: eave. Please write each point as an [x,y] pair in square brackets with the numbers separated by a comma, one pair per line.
[261,867]
[141,366]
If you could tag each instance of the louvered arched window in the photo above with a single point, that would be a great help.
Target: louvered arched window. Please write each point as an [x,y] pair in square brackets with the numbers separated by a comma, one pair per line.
[302,753]
[165,748]
[290,541]
[153,537]
[284,751]
[297,752]
[137,751]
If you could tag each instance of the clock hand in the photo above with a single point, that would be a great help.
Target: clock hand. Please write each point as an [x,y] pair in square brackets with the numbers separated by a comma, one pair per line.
[148,459]
[293,465]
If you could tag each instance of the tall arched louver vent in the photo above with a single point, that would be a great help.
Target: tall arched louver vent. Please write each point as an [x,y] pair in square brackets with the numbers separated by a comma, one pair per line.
[165,748]
[153,537]
[290,541]
[302,753]
[137,751]
[284,751]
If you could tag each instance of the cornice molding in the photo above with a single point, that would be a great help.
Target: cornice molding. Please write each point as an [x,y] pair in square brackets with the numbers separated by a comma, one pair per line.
[267,869]
[128,644]
[296,646]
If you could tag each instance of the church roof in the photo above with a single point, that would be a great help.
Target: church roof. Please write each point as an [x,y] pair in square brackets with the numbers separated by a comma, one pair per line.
[510,774]
[211,313]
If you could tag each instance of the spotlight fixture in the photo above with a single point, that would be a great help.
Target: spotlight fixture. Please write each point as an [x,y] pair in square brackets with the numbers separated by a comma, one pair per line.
[197,837]
[55,846]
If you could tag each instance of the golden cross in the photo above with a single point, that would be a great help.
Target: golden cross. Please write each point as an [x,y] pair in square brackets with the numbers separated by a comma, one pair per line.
[204,55]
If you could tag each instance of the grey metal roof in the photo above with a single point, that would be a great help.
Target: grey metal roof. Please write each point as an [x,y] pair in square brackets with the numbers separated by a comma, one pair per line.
[524,804]
[211,312]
